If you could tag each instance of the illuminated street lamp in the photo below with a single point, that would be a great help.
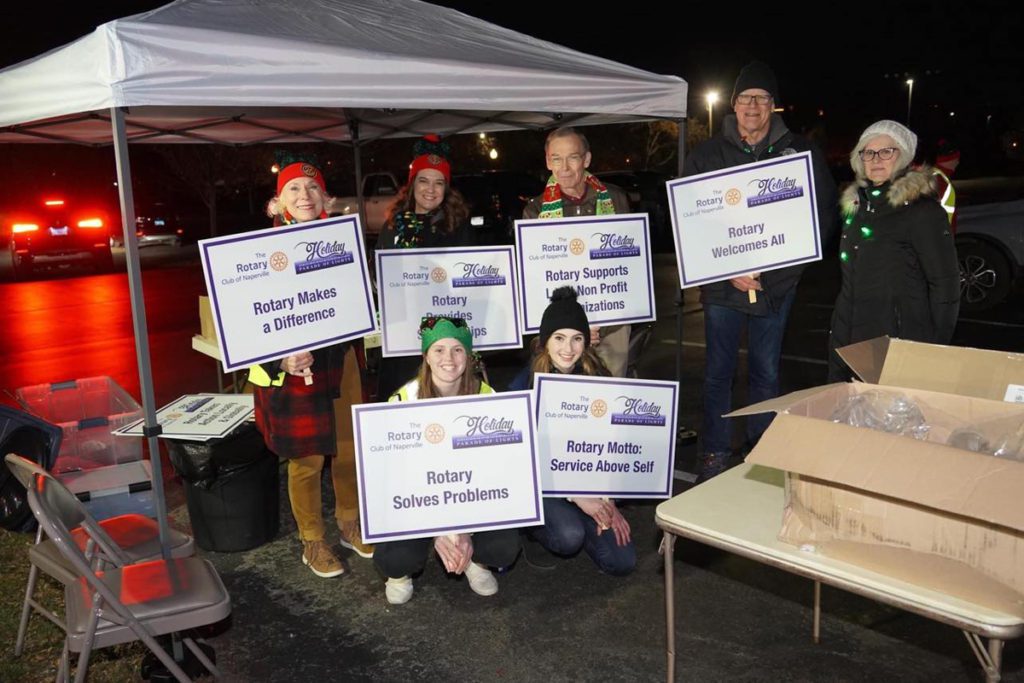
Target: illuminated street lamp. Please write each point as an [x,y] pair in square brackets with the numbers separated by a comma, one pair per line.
[712,97]
[910,95]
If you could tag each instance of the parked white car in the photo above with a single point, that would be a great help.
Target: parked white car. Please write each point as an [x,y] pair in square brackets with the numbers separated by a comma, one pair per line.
[990,247]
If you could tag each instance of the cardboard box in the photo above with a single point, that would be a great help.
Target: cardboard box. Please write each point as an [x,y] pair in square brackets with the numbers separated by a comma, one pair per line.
[898,504]
[206,327]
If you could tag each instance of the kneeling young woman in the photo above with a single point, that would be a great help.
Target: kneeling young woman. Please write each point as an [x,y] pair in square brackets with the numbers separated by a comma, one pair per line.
[447,370]
[593,524]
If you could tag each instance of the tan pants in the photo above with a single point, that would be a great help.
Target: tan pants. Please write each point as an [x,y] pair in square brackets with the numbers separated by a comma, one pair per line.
[304,473]
[614,348]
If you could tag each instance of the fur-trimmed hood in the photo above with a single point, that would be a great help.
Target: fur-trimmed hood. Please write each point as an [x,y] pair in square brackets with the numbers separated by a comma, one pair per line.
[906,189]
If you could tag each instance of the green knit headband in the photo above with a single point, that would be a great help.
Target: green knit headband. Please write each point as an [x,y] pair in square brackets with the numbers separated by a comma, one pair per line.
[436,328]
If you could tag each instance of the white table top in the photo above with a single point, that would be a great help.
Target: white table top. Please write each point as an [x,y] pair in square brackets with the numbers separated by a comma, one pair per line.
[741,511]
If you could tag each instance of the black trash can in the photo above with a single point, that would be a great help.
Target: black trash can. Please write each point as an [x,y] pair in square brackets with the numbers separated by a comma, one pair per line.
[231,488]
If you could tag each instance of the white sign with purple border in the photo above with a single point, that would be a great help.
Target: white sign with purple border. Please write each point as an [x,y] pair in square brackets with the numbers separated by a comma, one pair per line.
[607,259]
[278,291]
[601,436]
[746,219]
[446,465]
[477,284]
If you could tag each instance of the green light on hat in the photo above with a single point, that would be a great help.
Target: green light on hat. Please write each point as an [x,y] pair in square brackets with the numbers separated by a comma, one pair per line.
[875,193]
[865,230]
[849,220]
[844,257]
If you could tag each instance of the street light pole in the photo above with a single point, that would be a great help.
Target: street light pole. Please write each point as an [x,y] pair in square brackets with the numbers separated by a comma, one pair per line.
[910,95]
[712,97]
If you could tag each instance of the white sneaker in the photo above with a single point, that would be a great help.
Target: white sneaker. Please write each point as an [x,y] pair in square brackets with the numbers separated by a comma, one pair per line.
[398,591]
[481,580]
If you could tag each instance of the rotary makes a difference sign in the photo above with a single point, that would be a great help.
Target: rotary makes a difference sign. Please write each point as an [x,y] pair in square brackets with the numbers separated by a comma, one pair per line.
[282,290]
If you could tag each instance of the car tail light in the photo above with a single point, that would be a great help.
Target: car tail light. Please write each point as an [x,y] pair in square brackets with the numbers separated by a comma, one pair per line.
[24,227]
[180,231]
[139,233]
[91,223]
[54,202]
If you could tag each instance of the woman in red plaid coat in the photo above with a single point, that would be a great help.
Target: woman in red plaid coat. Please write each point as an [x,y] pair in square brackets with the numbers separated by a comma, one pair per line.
[295,403]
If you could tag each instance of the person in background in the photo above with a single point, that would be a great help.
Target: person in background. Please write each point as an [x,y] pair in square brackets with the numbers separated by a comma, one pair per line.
[594,524]
[751,133]
[573,191]
[427,214]
[900,272]
[447,369]
[294,404]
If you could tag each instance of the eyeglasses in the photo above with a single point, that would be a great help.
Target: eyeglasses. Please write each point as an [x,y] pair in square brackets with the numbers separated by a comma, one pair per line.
[751,99]
[884,154]
[572,160]
[428,322]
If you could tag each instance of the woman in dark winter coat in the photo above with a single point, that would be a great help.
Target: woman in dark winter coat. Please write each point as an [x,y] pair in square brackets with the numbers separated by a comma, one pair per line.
[593,524]
[427,214]
[899,265]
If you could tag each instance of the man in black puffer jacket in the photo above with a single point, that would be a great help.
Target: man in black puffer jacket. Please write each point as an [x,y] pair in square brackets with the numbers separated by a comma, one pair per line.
[752,133]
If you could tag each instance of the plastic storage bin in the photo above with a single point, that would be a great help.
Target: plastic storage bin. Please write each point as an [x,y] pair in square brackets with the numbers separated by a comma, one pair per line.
[114,489]
[231,489]
[86,410]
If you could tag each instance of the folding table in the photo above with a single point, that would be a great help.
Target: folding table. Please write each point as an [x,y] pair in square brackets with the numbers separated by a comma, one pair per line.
[741,511]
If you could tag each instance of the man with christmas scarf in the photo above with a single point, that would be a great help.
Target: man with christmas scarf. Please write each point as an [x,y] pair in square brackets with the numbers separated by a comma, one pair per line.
[573,191]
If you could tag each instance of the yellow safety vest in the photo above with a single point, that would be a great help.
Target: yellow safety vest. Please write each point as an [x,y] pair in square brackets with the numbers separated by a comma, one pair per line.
[948,199]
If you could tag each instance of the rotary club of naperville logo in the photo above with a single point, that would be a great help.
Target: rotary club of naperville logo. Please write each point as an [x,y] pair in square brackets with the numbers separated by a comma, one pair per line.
[598,408]
[278,261]
[733,196]
[577,246]
[439,274]
[434,433]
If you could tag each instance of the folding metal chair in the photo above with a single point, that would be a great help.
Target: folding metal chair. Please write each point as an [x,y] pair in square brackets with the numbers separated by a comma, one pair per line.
[132,537]
[127,602]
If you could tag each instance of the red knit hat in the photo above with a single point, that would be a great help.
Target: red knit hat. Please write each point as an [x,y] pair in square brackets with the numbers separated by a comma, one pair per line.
[300,169]
[431,153]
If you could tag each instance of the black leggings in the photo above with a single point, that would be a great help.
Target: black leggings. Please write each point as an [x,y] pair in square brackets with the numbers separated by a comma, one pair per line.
[404,558]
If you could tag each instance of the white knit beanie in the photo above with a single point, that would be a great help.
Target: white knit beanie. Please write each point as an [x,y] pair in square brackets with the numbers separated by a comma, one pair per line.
[904,137]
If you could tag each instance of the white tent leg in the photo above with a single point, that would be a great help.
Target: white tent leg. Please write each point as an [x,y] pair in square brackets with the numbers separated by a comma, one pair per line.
[138,303]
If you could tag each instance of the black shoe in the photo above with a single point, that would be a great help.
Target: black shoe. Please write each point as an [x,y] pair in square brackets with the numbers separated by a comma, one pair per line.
[536,555]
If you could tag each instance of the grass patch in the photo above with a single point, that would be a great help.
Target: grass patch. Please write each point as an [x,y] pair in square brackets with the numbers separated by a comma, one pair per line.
[44,641]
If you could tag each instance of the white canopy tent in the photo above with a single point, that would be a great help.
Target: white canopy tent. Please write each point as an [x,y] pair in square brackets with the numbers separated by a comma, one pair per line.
[245,72]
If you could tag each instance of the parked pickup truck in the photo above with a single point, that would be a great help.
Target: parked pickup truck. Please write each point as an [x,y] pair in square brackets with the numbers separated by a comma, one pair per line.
[379,191]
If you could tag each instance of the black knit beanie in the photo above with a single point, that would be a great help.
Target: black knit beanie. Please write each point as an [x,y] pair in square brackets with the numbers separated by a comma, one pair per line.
[564,312]
[756,75]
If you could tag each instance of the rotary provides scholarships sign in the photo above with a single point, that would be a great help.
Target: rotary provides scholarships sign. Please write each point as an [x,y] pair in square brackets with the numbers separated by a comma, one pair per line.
[746,219]
[607,259]
[278,291]
[446,465]
[477,284]
[603,436]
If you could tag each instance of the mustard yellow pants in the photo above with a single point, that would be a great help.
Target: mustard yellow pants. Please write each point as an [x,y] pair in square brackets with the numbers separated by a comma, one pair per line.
[304,473]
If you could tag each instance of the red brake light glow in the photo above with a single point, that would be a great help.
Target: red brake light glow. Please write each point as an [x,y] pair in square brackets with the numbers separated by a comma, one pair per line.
[91,223]
[24,227]
[55,202]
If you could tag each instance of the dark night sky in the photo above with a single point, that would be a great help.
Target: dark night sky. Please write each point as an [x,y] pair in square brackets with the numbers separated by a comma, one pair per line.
[965,57]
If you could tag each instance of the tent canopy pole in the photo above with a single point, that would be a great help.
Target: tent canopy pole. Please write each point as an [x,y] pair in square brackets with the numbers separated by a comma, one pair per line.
[138,304]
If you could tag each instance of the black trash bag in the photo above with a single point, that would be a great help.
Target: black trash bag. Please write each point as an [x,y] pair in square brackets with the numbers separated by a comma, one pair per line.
[201,463]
